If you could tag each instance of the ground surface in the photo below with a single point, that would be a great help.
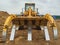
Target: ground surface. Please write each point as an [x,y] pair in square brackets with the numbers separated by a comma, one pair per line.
[38,37]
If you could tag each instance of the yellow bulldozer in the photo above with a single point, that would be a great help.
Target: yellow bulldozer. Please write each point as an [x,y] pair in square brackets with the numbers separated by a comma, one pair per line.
[29,19]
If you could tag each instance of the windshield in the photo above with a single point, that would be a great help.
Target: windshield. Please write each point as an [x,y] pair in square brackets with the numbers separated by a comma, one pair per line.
[32,7]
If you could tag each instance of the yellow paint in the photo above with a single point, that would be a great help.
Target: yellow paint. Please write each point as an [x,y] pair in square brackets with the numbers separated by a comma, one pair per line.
[8,22]
[50,19]
[4,30]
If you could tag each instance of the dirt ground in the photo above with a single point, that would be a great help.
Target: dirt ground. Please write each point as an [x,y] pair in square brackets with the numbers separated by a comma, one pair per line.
[37,37]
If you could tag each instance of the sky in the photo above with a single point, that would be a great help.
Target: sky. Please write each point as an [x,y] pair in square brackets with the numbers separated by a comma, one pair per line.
[44,6]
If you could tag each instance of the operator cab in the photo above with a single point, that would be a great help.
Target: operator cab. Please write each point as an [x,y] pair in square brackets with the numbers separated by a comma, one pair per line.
[32,5]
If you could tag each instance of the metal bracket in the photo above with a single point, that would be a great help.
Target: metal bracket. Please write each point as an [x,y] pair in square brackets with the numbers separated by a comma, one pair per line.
[29,33]
[12,33]
[47,37]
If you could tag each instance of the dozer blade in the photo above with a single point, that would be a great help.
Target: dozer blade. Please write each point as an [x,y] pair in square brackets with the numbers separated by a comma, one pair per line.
[4,33]
[47,37]
[12,33]
[29,33]
[55,32]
